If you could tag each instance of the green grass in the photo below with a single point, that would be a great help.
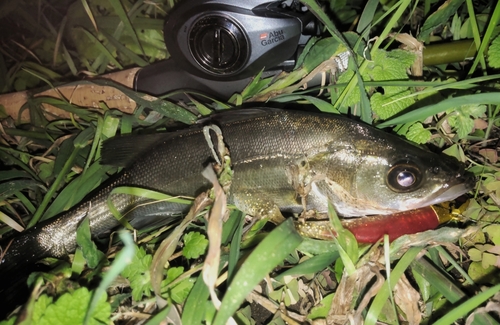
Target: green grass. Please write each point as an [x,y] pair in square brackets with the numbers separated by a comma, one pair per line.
[447,275]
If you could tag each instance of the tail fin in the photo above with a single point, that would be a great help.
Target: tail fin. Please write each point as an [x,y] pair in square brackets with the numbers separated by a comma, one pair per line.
[17,262]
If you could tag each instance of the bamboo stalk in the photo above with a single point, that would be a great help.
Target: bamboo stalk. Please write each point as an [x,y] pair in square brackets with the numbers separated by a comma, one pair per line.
[459,51]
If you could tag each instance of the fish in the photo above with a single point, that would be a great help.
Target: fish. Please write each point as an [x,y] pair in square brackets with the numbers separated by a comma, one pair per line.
[283,161]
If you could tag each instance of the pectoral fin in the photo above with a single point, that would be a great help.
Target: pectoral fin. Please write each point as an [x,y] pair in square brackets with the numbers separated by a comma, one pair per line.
[258,205]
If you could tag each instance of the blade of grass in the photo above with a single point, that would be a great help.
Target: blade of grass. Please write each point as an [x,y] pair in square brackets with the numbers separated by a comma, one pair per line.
[317,102]
[313,265]
[10,222]
[149,194]
[426,111]
[142,193]
[125,51]
[433,87]
[59,37]
[89,13]
[234,249]
[104,51]
[475,33]
[438,280]
[283,240]
[5,175]
[110,22]
[122,259]
[366,19]
[26,202]
[77,189]
[483,319]
[61,103]
[194,311]
[495,16]
[160,317]
[37,69]
[366,114]
[382,296]
[125,20]
[9,188]
[53,188]
[388,271]
[169,109]
[454,263]
[4,79]
[8,155]
[467,306]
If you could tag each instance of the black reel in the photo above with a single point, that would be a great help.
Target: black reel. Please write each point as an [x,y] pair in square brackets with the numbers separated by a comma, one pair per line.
[217,45]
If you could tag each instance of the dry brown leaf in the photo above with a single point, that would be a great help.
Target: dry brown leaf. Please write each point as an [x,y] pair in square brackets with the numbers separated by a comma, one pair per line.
[407,299]
[214,231]
[343,308]
[490,154]
[168,246]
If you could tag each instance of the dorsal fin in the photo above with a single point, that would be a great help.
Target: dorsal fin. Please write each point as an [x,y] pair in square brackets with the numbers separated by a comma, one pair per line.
[238,114]
[122,151]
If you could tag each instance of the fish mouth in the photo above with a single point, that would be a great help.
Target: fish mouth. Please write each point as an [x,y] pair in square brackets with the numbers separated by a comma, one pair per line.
[466,182]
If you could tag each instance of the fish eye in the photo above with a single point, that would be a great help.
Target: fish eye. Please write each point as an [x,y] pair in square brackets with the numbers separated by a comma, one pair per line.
[404,177]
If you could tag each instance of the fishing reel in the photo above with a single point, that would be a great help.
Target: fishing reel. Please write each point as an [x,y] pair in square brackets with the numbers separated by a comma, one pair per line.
[216,46]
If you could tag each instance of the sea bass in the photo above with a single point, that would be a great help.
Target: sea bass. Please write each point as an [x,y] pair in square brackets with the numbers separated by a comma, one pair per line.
[361,170]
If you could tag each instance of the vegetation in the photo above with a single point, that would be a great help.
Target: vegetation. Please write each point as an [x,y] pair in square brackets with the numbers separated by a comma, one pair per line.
[436,277]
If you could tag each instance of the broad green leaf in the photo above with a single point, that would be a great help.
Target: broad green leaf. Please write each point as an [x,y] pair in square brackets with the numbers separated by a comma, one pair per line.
[172,274]
[138,274]
[89,249]
[418,134]
[462,118]
[78,264]
[195,244]
[384,66]
[40,306]
[494,53]
[493,232]
[321,310]
[180,291]
[71,308]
